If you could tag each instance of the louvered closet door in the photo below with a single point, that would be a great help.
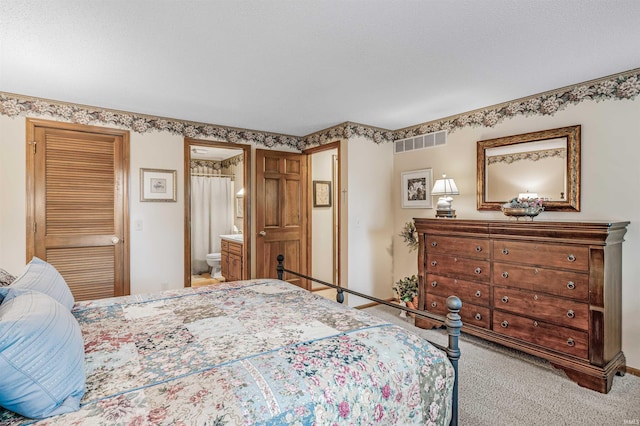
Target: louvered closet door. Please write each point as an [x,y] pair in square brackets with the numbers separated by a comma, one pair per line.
[79,209]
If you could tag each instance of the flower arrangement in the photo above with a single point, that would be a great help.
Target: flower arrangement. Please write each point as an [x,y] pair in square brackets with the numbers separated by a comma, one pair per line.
[523,203]
[407,288]
[519,207]
[410,235]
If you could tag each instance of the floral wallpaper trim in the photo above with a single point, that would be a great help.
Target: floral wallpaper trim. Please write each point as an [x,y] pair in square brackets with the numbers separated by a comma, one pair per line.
[345,131]
[531,156]
[625,85]
[14,105]
[232,161]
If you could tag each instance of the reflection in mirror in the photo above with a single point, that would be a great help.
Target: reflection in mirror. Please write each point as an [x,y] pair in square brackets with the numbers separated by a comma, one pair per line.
[544,163]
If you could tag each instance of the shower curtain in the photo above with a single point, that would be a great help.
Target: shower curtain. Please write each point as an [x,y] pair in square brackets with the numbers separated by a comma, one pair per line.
[211,216]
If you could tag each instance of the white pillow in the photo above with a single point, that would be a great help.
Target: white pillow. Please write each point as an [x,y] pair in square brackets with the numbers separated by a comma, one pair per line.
[43,277]
[41,356]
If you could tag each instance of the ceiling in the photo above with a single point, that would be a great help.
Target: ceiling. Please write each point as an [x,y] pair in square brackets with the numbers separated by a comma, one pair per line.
[297,67]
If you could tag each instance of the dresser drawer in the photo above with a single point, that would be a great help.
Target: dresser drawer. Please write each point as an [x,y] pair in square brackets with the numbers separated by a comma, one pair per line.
[467,247]
[470,314]
[542,307]
[463,267]
[550,336]
[467,291]
[549,255]
[574,285]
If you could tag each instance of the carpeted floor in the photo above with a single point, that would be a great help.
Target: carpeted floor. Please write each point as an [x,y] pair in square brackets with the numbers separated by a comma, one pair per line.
[501,386]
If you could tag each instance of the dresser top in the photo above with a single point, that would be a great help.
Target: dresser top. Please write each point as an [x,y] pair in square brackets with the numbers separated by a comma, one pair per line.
[591,232]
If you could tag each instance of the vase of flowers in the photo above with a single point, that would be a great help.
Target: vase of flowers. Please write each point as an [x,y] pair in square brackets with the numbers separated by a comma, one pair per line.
[523,207]
[410,235]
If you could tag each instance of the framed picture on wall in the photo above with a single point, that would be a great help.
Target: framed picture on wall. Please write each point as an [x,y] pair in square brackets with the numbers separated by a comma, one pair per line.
[416,189]
[157,185]
[321,193]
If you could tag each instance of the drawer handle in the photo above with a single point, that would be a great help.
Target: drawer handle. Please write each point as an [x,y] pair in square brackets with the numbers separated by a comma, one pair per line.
[434,243]
[478,271]
[478,316]
[478,249]
[434,304]
[571,342]
[571,314]
[505,299]
[535,323]
[434,283]
[434,263]
[571,285]
[504,324]
[478,294]
[505,274]
[571,258]
[505,251]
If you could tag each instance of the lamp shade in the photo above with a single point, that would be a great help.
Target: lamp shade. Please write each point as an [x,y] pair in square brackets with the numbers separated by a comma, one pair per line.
[445,186]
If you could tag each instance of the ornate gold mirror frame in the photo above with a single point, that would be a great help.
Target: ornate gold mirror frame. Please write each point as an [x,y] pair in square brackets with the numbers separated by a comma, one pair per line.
[527,147]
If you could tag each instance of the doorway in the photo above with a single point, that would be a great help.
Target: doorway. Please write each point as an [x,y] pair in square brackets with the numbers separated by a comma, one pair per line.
[217,220]
[324,217]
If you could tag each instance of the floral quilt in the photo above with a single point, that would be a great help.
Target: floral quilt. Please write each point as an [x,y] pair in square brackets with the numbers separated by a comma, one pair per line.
[251,352]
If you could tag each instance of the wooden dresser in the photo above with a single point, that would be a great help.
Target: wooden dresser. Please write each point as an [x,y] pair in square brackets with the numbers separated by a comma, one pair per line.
[551,289]
[231,260]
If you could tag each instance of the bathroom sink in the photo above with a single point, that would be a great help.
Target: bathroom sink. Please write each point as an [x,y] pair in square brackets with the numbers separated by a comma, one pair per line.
[233,237]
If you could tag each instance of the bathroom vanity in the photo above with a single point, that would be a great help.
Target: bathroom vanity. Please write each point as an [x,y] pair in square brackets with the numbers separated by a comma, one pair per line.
[231,261]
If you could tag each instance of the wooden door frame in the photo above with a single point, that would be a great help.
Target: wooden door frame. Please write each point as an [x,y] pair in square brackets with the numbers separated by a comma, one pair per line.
[336,256]
[123,179]
[246,203]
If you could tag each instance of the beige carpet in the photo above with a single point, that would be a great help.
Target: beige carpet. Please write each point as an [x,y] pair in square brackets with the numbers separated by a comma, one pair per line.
[501,386]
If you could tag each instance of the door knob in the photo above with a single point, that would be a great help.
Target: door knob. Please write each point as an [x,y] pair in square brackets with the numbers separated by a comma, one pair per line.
[115,240]
[262,233]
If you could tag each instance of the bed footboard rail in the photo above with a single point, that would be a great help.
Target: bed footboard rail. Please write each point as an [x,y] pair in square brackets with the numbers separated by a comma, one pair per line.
[452,322]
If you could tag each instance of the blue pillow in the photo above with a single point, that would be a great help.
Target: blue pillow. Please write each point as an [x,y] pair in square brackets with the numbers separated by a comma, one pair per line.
[41,356]
[43,277]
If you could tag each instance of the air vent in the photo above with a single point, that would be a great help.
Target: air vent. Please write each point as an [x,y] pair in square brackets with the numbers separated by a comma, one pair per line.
[428,140]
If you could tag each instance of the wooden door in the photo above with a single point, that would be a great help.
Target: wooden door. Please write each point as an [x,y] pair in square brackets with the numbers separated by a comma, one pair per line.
[77,216]
[281,213]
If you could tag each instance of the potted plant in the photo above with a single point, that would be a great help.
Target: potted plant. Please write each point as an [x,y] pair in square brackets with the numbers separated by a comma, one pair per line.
[407,291]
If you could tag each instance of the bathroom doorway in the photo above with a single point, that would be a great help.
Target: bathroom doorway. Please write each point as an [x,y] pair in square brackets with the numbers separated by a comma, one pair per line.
[216,179]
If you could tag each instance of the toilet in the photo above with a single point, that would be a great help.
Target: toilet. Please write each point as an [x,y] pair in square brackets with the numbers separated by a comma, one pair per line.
[213,260]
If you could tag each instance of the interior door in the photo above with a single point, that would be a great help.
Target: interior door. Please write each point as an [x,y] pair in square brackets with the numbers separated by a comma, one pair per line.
[281,213]
[77,216]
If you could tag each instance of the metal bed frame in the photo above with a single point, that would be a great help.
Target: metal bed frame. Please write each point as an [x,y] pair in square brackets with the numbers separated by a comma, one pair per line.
[452,322]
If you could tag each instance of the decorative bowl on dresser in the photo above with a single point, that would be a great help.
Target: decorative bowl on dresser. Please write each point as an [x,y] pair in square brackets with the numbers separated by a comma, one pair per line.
[551,289]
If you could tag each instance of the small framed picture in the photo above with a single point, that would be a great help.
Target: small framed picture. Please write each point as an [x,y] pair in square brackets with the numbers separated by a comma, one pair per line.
[416,189]
[157,185]
[321,193]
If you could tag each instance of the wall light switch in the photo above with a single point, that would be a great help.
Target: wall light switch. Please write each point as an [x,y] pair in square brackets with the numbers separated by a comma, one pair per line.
[137,225]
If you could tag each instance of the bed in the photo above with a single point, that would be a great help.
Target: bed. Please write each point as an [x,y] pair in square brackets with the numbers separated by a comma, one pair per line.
[261,351]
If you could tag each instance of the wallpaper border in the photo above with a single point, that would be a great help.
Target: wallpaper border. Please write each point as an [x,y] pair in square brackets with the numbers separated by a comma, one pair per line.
[625,85]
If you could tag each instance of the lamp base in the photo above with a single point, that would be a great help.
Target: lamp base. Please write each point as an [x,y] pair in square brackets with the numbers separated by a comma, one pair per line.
[446,213]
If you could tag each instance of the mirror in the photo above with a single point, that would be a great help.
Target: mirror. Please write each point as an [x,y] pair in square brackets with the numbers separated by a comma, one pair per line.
[546,163]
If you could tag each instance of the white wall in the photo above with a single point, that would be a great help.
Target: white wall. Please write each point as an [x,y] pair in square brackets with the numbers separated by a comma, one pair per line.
[370,218]
[157,252]
[13,187]
[610,173]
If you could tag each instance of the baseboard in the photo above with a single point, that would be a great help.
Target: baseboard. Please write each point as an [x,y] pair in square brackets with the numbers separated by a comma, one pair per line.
[633,371]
